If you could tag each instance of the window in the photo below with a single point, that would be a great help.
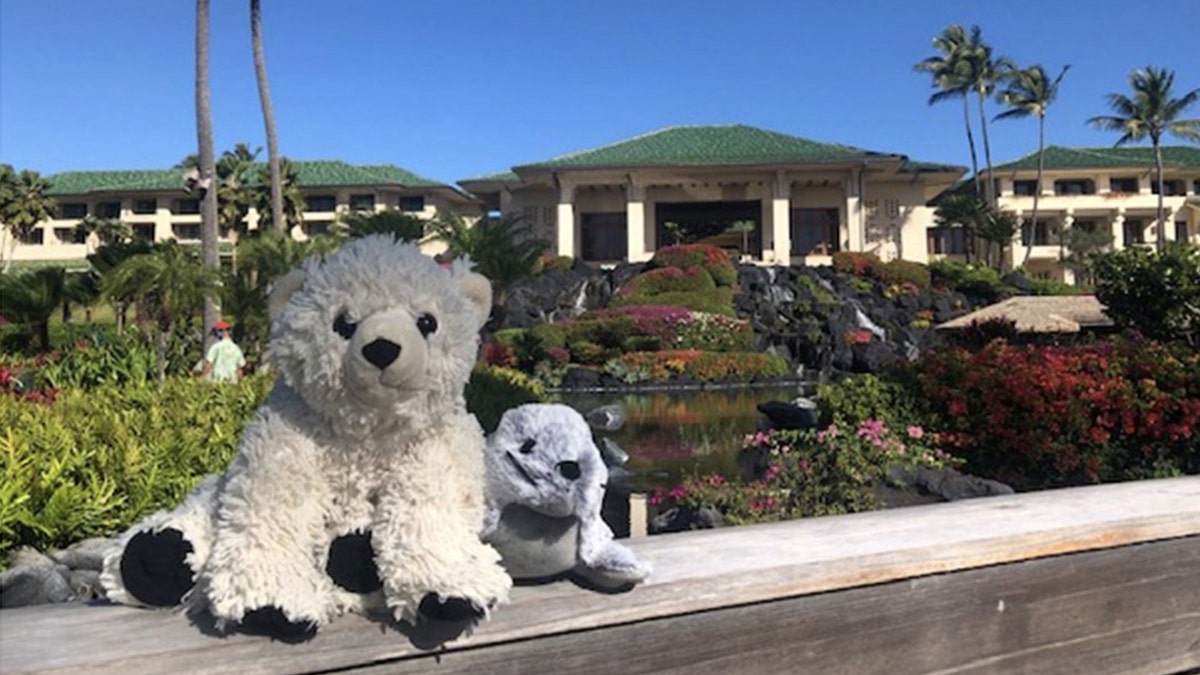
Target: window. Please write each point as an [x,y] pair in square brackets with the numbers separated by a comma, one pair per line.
[1134,232]
[145,206]
[1089,226]
[1196,187]
[320,203]
[1181,230]
[74,210]
[1074,187]
[362,202]
[946,241]
[1171,188]
[603,236]
[108,210]
[68,235]
[188,232]
[815,231]
[1123,184]
[411,204]
[37,236]
[1041,234]
[143,232]
[316,227]
[1025,188]
[186,207]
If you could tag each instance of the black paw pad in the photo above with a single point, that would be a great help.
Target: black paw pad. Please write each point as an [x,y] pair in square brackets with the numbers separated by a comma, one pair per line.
[271,621]
[351,563]
[452,609]
[154,567]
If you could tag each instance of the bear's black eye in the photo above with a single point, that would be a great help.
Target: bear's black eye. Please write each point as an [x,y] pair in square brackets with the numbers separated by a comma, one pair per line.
[344,327]
[527,446]
[426,324]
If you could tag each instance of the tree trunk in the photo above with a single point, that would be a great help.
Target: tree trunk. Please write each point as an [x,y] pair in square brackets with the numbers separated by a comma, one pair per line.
[1160,239]
[1037,189]
[971,144]
[204,134]
[990,188]
[264,96]
[162,354]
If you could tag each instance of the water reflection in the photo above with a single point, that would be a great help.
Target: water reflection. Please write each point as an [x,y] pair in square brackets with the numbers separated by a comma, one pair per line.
[672,434]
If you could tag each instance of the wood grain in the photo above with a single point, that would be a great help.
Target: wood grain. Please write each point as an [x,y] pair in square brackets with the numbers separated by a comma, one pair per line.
[732,577]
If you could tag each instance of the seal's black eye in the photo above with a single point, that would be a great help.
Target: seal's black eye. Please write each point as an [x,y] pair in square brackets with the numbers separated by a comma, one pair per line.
[426,324]
[527,446]
[344,327]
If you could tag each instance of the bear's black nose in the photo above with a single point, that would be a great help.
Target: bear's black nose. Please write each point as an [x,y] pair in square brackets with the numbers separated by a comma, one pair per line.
[381,353]
[569,470]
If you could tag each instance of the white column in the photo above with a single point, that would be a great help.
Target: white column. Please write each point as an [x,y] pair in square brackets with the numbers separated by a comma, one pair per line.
[1169,223]
[854,211]
[566,219]
[781,219]
[635,223]
[1118,231]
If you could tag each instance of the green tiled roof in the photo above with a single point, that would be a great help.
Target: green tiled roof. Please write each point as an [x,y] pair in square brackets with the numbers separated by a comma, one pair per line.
[318,173]
[1174,156]
[498,177]
[734,144]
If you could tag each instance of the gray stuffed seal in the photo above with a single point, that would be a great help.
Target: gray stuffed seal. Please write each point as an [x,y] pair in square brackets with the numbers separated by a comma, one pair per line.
[545,486]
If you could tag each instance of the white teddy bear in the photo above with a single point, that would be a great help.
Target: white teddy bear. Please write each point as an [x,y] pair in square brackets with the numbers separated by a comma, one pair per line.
[545,487]
[360,482]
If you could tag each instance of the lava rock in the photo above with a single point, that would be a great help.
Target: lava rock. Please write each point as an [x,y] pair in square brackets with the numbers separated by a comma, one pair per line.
[84,555]
[800,414]
[683,518]
[34,579]
[581,378]
[606,418]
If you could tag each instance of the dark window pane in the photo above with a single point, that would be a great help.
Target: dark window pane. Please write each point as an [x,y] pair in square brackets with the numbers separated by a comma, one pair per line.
[1124,184]
[108,210]
[186,207]
[1181,230]
[316,227]
[1134,232]
[603,236]
[362,202]
[73,210]
[1024,187]
[1074,187]
[1171,188]
[143,231]
[815,231]
[187,232]
[412,203]
[145,206]
[320,203]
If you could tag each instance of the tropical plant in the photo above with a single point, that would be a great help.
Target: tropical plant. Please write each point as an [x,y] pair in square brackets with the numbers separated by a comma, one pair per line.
[1082,245]
[103,261]
[23,204]
[1150,113]
[744,228]
[402,226]
[1157,293]
[169,284]
[108,231]
[274,170]
[293,200]
[1030,91]
[235,193]
[31,298]
[504,249]
[950,77]
[210,253]
[965,211]
[1000,228]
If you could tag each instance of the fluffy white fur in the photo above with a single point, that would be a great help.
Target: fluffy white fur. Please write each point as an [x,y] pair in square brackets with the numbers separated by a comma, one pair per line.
[343,445]
[545,490]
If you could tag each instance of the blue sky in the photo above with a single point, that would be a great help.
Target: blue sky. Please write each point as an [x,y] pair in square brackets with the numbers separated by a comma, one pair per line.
[452,90]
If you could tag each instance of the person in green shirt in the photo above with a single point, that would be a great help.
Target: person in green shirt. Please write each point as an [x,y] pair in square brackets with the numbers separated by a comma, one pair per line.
[224,361]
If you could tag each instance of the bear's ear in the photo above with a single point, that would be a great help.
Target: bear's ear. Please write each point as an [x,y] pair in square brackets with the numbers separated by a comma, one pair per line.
[282,290]
[478,291]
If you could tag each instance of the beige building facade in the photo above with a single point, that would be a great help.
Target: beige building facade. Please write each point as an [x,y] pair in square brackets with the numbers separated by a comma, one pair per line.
[1110,190]
[761,195]
[156,206]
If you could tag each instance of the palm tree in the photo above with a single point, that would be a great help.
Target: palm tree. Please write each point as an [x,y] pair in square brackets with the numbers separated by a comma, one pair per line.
[503,249]
[264,96]
[1030,92]
[965,211]
[1151,113]
[169,284]
[31,299]
[948,71]
[204,136]
[108,231]
[235,194]
[293,200]
[402,226]
[106,259]
[982,72]
[23,204]
[998,227]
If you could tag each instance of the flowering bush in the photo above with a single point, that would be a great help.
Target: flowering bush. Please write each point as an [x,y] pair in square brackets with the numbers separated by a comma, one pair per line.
[667,280]
[698,365]
[1042,416]
[900,276]
[499,355]
[809,473]
[711,258]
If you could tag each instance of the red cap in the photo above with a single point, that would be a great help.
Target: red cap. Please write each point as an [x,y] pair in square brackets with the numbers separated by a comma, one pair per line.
[220,325]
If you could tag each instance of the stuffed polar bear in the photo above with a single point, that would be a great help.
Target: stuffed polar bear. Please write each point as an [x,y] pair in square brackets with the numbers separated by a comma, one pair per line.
[545,487]
[359,483]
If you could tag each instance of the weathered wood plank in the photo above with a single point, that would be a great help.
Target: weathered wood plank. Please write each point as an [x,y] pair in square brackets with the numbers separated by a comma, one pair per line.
[694,573]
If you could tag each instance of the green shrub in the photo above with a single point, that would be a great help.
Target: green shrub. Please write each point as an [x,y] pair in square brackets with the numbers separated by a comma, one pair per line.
[492,391]
[667,280]
[867,396]
[1052,287]
[711,258]
[716,301]
[698,365]
[96,461]
[1154,293]
[978,281]
[854,263]
[903,272]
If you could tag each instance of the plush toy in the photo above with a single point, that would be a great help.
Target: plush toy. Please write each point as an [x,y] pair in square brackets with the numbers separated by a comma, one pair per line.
[545,488]
[359,484]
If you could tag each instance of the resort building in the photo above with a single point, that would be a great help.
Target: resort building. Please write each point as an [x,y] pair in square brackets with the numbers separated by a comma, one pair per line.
[762,195]
[1112,190]
[157,207]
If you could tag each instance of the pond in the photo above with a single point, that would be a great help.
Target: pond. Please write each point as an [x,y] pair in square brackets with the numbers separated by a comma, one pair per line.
[672,434]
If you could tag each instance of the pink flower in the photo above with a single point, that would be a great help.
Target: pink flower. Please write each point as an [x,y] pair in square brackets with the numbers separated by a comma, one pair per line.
[915,432]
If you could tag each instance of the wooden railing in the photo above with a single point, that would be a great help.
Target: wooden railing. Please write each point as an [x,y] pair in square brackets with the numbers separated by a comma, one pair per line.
[1090,580]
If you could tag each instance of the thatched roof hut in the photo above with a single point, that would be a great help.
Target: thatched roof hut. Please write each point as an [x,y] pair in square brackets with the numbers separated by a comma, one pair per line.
[1041,314]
